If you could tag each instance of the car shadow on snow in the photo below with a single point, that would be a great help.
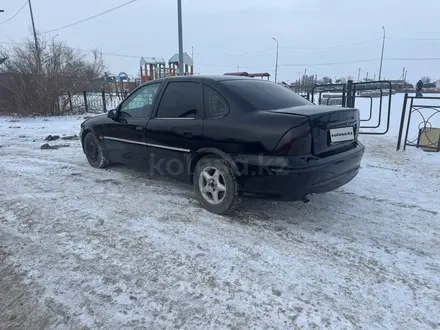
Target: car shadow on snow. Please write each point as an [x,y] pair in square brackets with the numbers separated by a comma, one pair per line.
[314,216]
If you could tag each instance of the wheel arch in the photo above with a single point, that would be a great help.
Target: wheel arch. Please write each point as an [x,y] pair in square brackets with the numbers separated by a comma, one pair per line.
[83,135]
[90,130]
[203,152]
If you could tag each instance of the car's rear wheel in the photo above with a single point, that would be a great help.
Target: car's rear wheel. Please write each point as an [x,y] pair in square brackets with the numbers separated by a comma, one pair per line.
[215,185]
[94,152]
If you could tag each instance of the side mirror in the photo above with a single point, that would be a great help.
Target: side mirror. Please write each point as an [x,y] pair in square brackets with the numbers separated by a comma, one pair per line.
[112,114]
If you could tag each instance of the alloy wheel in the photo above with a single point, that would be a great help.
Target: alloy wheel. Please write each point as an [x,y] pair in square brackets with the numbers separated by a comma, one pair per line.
[212,185]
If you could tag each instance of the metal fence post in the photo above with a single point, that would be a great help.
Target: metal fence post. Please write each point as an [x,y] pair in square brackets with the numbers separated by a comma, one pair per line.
[350,96]
[85,102]
[59,106]
[402,120]
[103,101]
[409,120]
[70,102]
[344,95]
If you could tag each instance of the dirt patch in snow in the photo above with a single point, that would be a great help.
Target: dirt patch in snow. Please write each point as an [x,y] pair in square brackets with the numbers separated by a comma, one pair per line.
[20,305]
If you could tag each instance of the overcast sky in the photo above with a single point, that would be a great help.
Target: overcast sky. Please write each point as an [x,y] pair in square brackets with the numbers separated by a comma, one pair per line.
[230,33]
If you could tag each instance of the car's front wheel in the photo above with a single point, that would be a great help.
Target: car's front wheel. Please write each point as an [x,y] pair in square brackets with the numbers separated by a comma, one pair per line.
[94,152]
[215,185]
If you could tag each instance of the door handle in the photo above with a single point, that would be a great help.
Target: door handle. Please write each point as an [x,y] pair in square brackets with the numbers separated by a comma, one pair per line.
[188,134]
[140,128]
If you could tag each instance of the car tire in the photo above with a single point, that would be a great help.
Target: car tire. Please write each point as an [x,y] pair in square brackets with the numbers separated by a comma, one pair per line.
[212,177]
[94,152]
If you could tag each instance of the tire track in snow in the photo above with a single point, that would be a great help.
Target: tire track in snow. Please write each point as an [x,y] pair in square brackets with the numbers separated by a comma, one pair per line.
[270,264]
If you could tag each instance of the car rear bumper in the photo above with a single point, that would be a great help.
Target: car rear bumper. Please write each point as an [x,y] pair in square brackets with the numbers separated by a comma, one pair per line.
[292,178]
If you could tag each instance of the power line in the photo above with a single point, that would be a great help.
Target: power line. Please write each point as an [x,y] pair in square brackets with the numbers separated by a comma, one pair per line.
[254,52]
[284,65]
[412,58]
[307,48]
[333,47]
[13,16]
[88,51]
[329,63]
[367,60]
[417,39]
[91,17]
[11,43]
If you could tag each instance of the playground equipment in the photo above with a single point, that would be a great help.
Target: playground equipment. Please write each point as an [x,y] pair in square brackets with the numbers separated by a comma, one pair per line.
[187,62]
[155,68]
[152,68]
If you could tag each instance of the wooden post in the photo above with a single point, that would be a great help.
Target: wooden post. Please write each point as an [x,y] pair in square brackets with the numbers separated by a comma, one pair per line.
[151,76]
[85,101]
[70,102]
[103,99]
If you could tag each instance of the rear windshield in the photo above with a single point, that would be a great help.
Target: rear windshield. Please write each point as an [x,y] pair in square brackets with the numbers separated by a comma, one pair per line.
[265,95]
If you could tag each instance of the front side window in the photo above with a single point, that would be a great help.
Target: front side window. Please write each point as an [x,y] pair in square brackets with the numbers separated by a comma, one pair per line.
[265,95]
[180,100]
[140,103]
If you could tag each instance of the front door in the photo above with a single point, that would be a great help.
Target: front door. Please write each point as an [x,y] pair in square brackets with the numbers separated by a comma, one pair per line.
[125,138]
[175,130]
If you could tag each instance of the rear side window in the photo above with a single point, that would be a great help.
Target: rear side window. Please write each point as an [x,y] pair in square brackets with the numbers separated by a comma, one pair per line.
[215,105]
[180,100]
[265,95]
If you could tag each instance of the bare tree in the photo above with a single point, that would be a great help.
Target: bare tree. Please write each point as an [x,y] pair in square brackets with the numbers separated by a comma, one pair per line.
[29,87]
[426,80]
[325,81]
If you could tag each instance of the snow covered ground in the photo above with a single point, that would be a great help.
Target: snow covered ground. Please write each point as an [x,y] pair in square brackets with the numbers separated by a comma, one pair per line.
[115,249]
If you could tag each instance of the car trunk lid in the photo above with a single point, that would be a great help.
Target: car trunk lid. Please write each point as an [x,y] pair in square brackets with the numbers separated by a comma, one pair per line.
[333,128]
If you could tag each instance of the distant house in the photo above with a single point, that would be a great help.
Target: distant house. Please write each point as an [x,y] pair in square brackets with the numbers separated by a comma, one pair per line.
[437,84]
[430,85]
[252,75]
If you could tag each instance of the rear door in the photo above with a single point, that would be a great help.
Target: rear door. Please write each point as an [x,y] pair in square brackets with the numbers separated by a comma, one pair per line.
[176,128]
[125,138]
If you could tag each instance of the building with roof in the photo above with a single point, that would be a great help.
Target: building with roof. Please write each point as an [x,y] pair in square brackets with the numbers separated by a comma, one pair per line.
[246,74]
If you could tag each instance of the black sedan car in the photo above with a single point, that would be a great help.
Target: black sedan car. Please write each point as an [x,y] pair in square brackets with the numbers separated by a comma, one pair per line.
[229,136]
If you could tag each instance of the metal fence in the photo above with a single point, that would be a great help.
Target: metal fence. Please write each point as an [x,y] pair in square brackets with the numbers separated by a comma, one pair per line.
[346,94]
[88,102]
[420,128]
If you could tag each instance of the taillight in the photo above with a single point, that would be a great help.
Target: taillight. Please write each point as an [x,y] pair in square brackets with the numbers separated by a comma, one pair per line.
[296,142]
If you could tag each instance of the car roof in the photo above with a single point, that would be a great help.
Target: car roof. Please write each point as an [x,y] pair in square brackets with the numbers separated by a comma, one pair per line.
[203,77]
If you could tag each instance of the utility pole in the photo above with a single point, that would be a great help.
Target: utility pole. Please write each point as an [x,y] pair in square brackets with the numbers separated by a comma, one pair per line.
[359,74]
[37,48]
[276,61]
[381,57]
[179,23]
